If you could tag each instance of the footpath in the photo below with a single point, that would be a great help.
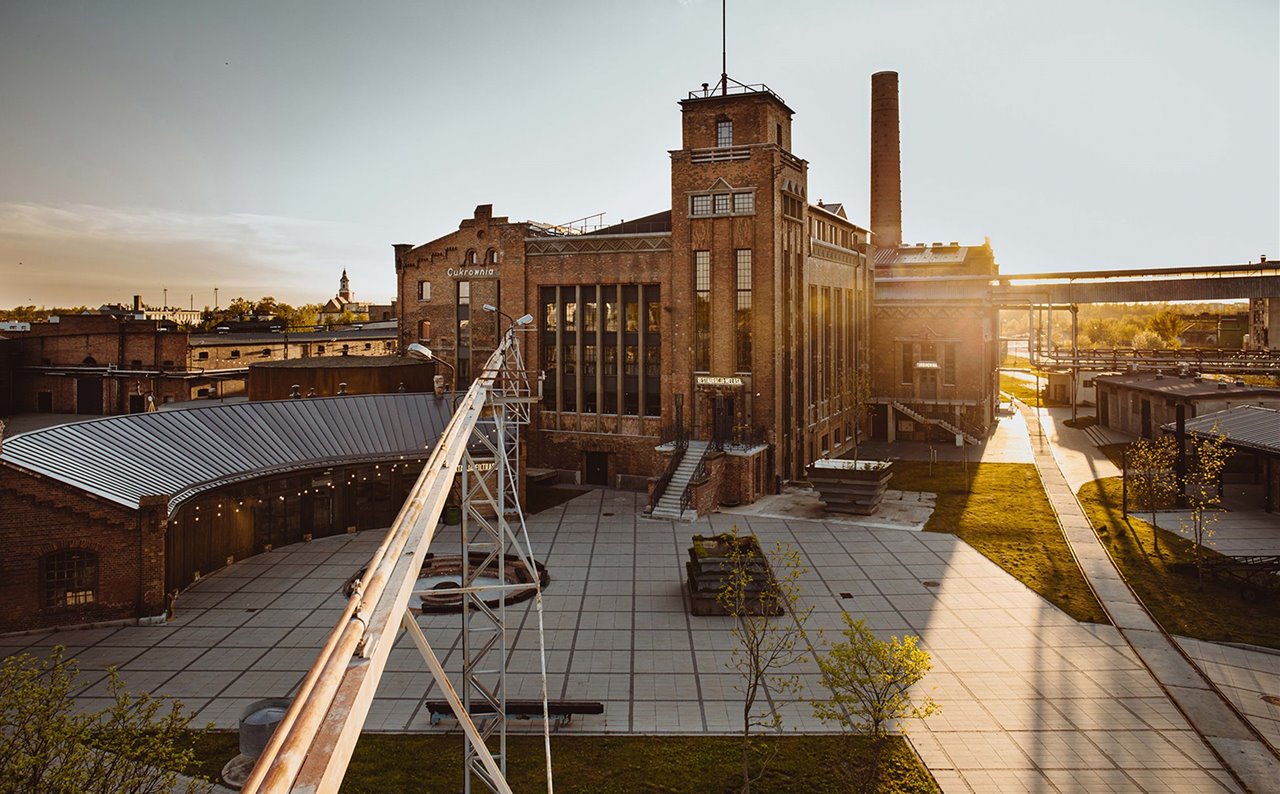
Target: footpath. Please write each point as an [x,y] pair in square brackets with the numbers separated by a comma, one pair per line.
[1243,750]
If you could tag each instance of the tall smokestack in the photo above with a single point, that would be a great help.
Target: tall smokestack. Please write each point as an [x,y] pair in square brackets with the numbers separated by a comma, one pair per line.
[886,161]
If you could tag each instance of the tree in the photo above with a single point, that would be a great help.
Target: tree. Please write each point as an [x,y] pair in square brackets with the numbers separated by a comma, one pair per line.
[1150,467]
[133,746]
[870,681]
[762,597]
[1166,324]
[1209,455]
[1147,340]
[239,308]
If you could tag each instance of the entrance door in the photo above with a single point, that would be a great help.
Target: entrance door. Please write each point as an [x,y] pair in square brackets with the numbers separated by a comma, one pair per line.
[597,468]
[722,418]
[1104,412]
[1146,419]
[137,403]
[928,384]
[44,402]
[89,396]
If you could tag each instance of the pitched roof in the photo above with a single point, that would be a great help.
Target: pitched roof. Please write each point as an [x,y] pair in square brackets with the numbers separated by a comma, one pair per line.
[1249,426]
[182,453]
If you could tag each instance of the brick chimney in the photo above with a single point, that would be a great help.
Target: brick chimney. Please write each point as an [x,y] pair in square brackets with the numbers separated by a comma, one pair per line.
[886,161]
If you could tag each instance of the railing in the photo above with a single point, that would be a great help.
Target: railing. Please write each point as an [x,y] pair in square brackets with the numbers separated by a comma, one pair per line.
[728,86]
[740,437]
[699,474]
[676,435]
[720,154]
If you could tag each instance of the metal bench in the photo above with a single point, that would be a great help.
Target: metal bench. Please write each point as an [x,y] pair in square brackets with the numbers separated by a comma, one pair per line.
[561,711]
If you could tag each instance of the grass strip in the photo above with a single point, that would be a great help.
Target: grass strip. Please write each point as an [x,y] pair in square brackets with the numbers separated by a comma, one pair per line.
[1218,611]
[1001,510]
[385,763]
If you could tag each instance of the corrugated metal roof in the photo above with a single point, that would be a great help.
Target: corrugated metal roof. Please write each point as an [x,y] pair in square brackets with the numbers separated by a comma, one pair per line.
[181,453]
[1251,426]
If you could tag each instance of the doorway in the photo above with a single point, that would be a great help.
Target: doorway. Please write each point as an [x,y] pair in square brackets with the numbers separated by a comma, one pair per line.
[89,396]
[597,464]
[137,403]
[1146,419]
[928,384]
[722,414]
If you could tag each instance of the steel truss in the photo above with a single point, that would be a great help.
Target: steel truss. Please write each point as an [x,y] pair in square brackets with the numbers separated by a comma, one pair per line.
[480,447]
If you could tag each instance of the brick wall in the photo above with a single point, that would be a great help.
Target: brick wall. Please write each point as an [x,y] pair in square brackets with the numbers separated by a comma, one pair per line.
[39,516]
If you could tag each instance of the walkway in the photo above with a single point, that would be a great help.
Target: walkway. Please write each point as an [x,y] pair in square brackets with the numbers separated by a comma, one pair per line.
[1254,763]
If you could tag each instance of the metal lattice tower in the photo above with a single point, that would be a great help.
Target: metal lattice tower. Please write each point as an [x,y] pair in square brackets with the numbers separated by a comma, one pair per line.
[312,746]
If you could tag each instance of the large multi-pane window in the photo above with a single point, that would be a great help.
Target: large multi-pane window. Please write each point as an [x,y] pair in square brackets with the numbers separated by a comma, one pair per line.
[702,311]
[949,363]
[463,363]
[742,264]
[601,348]
[69,578]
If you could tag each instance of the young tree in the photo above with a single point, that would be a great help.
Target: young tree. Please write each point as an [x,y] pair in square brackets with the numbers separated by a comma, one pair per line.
[1167,324]
[763,596]
[134,746]
[1151,462]
[870,683]
[1209,456]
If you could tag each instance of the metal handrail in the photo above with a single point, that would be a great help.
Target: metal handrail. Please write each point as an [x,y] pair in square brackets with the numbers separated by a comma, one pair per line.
[699,474]
[665,480]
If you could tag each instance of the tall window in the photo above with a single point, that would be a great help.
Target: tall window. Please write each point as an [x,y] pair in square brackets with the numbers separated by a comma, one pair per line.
[700,205]
[724,133]
[463,362]
[424,291]
[491,257]
[69,578]
[949,363]
[424,331]
[702,311]
[742,262]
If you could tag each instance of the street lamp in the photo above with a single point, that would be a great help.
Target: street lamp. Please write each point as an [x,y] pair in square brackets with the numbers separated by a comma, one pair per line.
[525,320]
[425,353]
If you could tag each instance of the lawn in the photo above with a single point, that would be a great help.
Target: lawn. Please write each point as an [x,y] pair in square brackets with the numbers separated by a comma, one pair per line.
[1004,514]
[1217,612]
[598,764]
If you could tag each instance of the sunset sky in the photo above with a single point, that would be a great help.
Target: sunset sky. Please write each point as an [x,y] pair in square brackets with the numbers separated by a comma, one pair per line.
[263,147]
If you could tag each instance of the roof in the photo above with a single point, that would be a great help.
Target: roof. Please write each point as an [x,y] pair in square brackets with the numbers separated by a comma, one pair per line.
[1185,386]
[650,224]
[336,335]
[340,362]
[182,453]
[1248,426]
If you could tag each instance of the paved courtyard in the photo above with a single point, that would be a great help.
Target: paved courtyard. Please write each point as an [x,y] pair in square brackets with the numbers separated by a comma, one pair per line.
[1031,700]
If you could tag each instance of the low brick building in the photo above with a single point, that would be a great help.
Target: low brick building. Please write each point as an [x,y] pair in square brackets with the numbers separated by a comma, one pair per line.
[100,519]
[1139,403]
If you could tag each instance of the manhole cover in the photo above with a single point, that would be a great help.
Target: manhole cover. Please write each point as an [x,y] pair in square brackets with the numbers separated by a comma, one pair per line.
[606,514]
[929,583]
[441,576]
[1272,699]
[846,595]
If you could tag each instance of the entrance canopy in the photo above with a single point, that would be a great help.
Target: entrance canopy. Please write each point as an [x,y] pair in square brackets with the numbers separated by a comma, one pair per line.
[181,453]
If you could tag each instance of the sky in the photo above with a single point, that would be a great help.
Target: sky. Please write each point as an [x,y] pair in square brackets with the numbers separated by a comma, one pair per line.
[260,148]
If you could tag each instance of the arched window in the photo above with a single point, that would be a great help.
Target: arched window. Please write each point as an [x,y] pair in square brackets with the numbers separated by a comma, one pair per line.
[90,361]
[491,257]
[470,258]
[69,578]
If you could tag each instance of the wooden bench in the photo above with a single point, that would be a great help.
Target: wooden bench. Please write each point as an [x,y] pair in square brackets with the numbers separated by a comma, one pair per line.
[561,711]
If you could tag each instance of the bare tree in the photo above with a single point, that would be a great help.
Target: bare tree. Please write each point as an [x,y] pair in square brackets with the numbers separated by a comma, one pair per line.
[762,596]
[870,682]
[1151,462]
[1204,488]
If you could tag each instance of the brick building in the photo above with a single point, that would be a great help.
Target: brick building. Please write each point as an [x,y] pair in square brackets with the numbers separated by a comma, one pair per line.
[1140,402]
[936,361]
[739,314]
[99,364]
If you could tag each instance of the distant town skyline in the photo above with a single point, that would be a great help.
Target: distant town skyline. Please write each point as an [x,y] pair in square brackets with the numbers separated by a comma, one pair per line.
[262,149]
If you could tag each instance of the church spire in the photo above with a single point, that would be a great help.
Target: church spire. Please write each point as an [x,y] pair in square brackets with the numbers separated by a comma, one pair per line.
[344,286]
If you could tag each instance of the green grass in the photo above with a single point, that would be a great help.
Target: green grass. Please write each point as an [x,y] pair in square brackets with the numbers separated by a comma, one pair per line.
[1218,611]
[600,764]
[1005,515]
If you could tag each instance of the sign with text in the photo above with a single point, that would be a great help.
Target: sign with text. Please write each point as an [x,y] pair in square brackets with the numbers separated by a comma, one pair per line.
[716,380]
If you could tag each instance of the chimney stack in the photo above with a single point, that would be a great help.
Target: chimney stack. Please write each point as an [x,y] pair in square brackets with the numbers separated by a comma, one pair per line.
[137,303]
[886,161]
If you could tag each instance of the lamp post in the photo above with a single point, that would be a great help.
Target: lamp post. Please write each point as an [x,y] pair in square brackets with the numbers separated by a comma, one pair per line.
[515,321]
[426,354]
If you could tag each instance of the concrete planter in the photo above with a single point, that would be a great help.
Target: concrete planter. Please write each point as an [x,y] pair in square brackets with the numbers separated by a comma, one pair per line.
[854,487]
[709,562]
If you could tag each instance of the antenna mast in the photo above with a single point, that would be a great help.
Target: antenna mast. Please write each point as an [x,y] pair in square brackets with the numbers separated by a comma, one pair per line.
[724,60]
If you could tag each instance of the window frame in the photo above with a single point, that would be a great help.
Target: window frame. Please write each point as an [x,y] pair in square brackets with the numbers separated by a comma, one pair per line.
[68,562]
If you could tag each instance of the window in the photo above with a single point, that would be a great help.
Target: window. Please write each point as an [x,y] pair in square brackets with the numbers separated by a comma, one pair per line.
[908,363]
[235,354]
[424,291]
[320,350]
[721,203]
[702,311]
[701,205]
[69,578]
[266,352]
[368,345]
[742,263]
[949,363]
[203,355]
[491,257]
[470,258]
[424,331]
[744,202]
[724,133]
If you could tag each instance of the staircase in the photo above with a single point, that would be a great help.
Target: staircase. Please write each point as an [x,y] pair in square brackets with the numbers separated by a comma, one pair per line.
[669,502]
[944,424]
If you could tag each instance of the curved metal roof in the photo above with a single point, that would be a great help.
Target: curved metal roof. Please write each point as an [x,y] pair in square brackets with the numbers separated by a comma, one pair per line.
[180,453]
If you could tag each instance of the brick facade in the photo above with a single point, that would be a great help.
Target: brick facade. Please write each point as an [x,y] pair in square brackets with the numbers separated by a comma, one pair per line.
[129,545]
